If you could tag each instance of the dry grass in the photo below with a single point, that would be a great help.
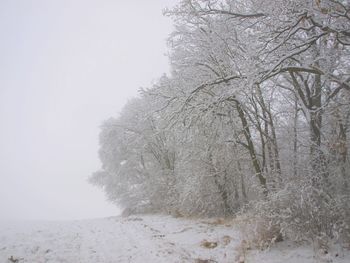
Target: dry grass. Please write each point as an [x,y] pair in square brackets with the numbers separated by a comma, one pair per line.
[209,244]
[241,250]
[198,260]
[219,221]
[225,240]
[257,232]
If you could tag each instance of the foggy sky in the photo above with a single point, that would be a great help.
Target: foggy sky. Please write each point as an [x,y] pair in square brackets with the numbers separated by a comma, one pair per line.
[65,66]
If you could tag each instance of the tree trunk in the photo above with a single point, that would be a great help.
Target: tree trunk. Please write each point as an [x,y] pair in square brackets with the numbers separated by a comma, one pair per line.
[295,139]
[250,146]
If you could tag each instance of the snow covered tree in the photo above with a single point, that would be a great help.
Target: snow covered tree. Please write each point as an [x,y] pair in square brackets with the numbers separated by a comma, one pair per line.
[255,111]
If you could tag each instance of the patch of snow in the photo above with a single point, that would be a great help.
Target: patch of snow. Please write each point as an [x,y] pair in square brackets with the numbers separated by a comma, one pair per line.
[115,239]
[136,239]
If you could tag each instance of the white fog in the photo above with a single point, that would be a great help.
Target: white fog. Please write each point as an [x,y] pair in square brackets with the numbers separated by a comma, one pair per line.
[65,67]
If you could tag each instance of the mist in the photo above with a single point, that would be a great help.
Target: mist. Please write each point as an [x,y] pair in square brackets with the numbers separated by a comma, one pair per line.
[65,67]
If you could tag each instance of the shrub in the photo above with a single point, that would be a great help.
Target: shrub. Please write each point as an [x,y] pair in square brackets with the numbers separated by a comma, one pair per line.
[300,214]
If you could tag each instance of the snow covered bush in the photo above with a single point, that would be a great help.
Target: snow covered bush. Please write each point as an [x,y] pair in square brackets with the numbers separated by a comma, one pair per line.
[302,213]
[257,231]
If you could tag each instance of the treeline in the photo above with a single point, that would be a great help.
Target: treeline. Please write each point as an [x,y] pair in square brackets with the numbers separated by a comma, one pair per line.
[254,117]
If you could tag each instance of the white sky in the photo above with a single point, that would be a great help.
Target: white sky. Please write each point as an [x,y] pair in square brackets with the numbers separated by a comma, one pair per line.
[65,66]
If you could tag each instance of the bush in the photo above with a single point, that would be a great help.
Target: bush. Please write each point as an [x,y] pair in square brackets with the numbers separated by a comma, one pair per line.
[300,214]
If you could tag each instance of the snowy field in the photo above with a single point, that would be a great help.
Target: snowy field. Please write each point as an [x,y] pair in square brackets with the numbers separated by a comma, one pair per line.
[137,239]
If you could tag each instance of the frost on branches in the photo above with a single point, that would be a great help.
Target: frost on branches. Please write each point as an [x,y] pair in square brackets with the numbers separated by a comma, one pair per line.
[253,119]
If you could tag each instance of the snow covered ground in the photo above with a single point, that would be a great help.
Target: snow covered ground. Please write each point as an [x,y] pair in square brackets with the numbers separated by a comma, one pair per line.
[135,239]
